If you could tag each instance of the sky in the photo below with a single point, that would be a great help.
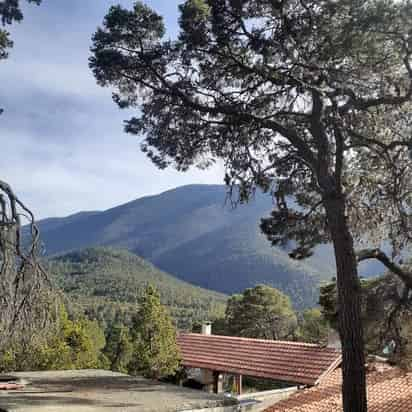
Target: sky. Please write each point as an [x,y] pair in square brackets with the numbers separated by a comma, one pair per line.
[63,145]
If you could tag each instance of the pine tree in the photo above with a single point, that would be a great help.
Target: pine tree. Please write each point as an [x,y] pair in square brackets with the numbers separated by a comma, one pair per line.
[307,100]
[261,312]
[119,348]
[313,327]
[155,351]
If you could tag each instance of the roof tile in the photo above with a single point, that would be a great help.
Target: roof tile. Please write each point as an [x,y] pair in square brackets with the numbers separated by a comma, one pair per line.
[388,390]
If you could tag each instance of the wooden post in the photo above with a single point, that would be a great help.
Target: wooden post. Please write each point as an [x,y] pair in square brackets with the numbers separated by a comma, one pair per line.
[238,385]
[217,382]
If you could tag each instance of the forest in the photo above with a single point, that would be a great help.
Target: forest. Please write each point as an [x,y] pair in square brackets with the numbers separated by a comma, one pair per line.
[76,338]
[105,284]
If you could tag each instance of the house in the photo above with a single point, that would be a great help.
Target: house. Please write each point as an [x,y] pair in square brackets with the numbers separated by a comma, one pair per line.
[389,389]
[287,362]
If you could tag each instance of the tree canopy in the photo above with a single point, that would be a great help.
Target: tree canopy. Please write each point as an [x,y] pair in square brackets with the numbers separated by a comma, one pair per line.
[65,344]
[261,312]
[313,327]
[10,12]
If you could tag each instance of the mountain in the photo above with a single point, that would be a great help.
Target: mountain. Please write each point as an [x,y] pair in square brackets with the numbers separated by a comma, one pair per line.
[105,280]
[232,258]
[195,234]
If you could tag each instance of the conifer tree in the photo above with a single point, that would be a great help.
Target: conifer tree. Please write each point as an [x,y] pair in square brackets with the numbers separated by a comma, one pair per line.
[309,100]
[155,351]
[313,327]
[119,348]
[261,312]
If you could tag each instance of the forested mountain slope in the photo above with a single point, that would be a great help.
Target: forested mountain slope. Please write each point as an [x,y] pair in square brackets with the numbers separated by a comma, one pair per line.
[194,233]
[239,257]
[105,281]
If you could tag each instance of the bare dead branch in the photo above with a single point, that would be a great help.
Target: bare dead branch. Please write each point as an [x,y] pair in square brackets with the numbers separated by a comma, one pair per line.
[23,281]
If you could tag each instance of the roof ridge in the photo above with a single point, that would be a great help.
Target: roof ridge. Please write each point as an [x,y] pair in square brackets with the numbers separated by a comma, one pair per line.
[305,344]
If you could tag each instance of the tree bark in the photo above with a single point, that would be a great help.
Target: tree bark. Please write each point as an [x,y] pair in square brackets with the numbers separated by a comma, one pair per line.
[349,307]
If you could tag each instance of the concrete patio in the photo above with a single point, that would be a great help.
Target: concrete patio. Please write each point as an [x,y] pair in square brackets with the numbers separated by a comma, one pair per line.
[98,390]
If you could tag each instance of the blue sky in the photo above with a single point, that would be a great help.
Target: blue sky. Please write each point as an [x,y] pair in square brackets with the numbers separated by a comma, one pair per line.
[64,147]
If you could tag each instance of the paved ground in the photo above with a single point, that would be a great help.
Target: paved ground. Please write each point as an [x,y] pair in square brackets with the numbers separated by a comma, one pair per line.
[96,390]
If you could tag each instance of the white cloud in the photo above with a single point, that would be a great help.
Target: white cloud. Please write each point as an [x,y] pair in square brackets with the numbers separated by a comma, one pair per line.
[56,179]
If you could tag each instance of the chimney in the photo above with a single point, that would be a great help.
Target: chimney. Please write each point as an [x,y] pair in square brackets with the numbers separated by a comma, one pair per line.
[206,328]
[334,340]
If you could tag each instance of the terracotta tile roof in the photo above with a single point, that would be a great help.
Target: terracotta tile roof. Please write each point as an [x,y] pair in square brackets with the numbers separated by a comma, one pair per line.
[293,362]
[10,386]
[389,390]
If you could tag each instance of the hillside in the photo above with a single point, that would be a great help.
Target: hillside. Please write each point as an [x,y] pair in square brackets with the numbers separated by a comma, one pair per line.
[193,233]
[105,280]
[239,257]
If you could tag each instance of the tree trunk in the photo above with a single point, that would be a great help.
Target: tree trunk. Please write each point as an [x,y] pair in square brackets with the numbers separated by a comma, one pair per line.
[349,307]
